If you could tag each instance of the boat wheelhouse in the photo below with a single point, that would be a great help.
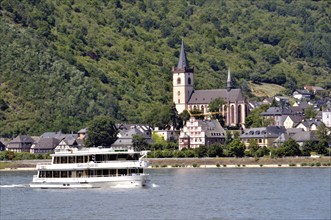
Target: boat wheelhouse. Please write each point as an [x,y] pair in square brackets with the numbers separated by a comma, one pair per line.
[92,167]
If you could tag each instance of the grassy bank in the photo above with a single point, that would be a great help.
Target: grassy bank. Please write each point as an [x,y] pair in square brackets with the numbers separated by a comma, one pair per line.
[240,162]
[202,162]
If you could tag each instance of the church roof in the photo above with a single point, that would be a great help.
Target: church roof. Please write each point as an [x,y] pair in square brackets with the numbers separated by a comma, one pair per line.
[182,62]
[206,96]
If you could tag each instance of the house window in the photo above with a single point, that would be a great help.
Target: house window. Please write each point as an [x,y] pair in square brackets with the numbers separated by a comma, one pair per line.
[178,93]
[189,81]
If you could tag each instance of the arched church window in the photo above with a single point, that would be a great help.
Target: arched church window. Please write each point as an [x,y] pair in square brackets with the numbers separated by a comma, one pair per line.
[178,80]
[232,114]
[189,81]
[239,114]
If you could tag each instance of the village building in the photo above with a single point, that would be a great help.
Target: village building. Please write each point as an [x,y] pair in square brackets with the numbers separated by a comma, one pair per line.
[309,124]
[281,139]
[292,120]
[3,144]
[326,118]
[82,133]
[44,145]
[304,136]
[201,132]
[68,143]
[264,136]
[314,89]
[301,94]
[127,132]
[22,143]
[277,114]
[186,97]
[167,134]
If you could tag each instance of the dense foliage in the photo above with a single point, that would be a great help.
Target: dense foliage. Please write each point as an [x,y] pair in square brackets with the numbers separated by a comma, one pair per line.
[64,62]
[102,131]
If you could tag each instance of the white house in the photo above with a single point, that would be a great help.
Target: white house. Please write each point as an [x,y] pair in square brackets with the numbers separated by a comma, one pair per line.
[326,118]
[301,94]
[201,132]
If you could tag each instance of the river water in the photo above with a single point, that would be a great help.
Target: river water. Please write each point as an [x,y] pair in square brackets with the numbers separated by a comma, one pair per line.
[179,193]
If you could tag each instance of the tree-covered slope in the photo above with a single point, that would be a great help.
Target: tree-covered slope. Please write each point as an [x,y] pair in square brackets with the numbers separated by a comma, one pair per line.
[63,62]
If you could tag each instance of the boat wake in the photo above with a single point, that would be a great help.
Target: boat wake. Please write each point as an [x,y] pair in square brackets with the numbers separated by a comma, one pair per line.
[14,186]
[155,185]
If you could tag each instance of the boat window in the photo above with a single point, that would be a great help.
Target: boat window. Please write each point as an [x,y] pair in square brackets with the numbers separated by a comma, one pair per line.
[80,159]
[105,173]
[64,160]
[48,174]
[99,172]
[57,160]
[122,171]
[79,173]
[56,174]
[63,174]
[42,174]
[72,159]
[122,157]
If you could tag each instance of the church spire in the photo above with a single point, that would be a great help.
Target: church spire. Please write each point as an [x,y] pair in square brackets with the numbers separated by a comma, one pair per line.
[228,82]
[182,62]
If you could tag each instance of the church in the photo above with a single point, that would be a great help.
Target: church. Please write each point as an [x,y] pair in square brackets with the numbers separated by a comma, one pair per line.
[187,98]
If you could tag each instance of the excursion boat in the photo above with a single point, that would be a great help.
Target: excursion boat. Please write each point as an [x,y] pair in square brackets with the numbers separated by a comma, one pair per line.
[92,168]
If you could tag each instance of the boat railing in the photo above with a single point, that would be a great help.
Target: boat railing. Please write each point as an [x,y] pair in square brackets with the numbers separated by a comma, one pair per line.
[44,163]
[91,176]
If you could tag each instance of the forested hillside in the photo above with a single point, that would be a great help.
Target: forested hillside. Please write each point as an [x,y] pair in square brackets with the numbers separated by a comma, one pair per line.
[65,61]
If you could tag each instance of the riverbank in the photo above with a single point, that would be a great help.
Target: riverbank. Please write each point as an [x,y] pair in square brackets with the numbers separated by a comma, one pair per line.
[221,162]
[241,162]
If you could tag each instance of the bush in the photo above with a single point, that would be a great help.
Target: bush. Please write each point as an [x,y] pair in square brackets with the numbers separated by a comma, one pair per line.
[195,165]
[292,164]
[218,165]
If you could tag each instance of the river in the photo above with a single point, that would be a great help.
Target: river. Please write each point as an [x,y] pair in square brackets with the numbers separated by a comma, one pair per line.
[179,193]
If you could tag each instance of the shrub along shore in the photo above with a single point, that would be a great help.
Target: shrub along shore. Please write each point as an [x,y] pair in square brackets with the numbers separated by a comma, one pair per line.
[221,162]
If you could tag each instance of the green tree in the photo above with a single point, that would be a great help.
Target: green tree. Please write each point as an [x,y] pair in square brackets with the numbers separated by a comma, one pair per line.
[323,133]
[253,146]
[201,151]
[101,132]
[215,150]
[197,114]
[215,106]
[236,148]
[310,112]
[291,148]
[184,116]
[254,119]
[139,142]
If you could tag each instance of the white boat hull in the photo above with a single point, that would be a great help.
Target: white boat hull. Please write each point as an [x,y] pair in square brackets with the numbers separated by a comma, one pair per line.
[96,182]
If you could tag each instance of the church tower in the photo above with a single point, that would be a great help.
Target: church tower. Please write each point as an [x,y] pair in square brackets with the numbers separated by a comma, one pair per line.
[183,81]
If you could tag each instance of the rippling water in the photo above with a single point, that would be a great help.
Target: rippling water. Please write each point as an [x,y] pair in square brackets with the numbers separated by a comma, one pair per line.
[261,193]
